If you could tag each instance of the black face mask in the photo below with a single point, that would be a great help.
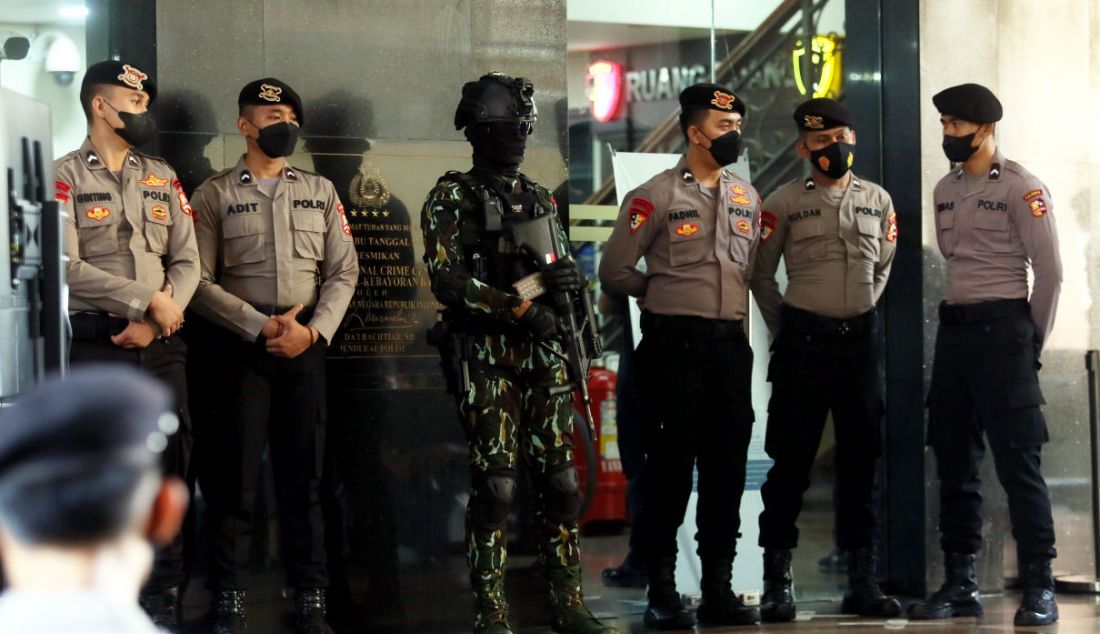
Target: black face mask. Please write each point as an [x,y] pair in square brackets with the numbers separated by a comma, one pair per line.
[278,139]
[498,145]
[958,148]
[137,129]
[834,160]
[726,148]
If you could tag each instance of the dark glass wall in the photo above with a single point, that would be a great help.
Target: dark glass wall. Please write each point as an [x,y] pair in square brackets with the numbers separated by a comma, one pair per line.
[380,80]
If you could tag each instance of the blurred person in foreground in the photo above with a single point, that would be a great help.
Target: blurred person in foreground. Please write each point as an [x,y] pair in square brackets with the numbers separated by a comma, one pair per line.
[83,503]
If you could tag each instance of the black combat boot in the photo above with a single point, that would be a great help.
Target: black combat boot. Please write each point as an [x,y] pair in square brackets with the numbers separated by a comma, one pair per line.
[777,604]
[229,615]
[309,612]
[958,596]
[720,606]
[1038,606]
[864,597]
[666,609]
[629,574]
[163,608]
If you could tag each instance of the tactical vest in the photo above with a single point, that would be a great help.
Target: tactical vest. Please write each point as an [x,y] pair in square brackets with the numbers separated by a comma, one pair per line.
[493,257]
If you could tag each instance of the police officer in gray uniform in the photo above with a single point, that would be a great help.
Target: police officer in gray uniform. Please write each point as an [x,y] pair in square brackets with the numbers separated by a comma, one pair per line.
[278,272]
[993,220]
[132,266]
[83,500]
[696,225]
[837,234]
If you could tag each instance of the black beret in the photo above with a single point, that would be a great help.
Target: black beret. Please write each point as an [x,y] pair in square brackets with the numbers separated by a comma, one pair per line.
[711,97]
[116,73]
[822,114]
[269,92]
[97,415]
[969,102]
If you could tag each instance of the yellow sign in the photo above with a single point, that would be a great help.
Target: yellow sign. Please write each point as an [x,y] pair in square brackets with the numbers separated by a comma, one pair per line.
[825,57]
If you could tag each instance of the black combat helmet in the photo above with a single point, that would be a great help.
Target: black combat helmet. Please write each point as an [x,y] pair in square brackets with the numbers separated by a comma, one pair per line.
[497,97]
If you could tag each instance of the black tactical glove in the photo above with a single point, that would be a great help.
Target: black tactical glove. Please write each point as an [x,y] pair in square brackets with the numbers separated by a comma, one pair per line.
[563,277]
[540,320]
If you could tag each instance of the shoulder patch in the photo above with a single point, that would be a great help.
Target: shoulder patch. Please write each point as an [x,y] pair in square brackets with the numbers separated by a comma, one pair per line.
[768,221]
[62,191]
[1035,193]
[892,228]
[640,210]
[1038,207]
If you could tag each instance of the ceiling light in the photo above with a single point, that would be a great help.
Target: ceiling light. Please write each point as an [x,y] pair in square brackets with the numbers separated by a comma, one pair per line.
[74,11]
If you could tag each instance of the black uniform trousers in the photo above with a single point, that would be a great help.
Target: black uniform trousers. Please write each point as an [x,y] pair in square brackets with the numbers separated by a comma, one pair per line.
[270,403]
[165,359]
[818,365]
[985,379]
[695,376]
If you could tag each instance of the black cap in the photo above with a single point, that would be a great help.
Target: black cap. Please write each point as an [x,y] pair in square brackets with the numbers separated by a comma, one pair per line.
[97,415]
[116,73]
[969,102]
[822,114]
[497,97]
[710,97]
[271,92]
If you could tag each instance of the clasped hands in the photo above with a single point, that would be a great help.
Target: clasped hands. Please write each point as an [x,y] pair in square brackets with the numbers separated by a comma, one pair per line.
[286,337]
[164,317]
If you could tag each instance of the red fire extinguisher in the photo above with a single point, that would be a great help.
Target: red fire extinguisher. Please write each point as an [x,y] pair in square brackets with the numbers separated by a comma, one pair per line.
[606,497]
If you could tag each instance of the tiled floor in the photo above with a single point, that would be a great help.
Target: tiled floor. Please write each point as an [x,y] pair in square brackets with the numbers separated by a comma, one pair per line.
[433,597]
[435,600]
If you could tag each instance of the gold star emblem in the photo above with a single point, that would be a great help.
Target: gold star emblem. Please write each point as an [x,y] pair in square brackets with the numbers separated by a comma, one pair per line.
[386,213]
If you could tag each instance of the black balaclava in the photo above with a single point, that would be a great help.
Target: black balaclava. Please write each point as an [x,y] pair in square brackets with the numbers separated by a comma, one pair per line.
[498,146]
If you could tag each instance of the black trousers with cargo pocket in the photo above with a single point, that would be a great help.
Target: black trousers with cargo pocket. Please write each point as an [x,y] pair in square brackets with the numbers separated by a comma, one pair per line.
[821,365]
[985,386]
[696,380]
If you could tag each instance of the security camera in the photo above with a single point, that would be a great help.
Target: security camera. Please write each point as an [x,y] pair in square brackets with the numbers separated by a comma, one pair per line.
[13,46]
[62,60]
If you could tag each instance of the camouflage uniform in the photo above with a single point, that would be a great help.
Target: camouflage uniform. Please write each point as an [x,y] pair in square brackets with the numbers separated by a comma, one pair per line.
[507,406]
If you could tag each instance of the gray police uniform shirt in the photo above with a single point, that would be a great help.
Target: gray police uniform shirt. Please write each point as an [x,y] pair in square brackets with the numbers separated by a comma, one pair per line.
[990,227]
[837,246]
[72,613]
[256,249]
[699,246]
[126,235]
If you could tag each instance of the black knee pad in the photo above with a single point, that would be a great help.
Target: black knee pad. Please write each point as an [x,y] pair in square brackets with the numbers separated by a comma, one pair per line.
[563,503]
[493,495]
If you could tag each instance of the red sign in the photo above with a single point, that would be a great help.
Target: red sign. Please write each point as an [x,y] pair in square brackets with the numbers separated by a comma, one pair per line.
[604,88]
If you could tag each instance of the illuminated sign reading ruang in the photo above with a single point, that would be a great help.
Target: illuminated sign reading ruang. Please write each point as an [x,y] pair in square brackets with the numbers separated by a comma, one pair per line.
[658,84]
[604,89]
[825,56]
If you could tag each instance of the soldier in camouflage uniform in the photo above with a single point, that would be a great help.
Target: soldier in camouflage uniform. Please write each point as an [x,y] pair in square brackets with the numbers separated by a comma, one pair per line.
[509,407]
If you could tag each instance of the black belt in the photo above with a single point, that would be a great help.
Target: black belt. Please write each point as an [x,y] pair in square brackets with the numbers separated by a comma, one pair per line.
[693,326]
[803,322]
[983,311]
[91,326]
